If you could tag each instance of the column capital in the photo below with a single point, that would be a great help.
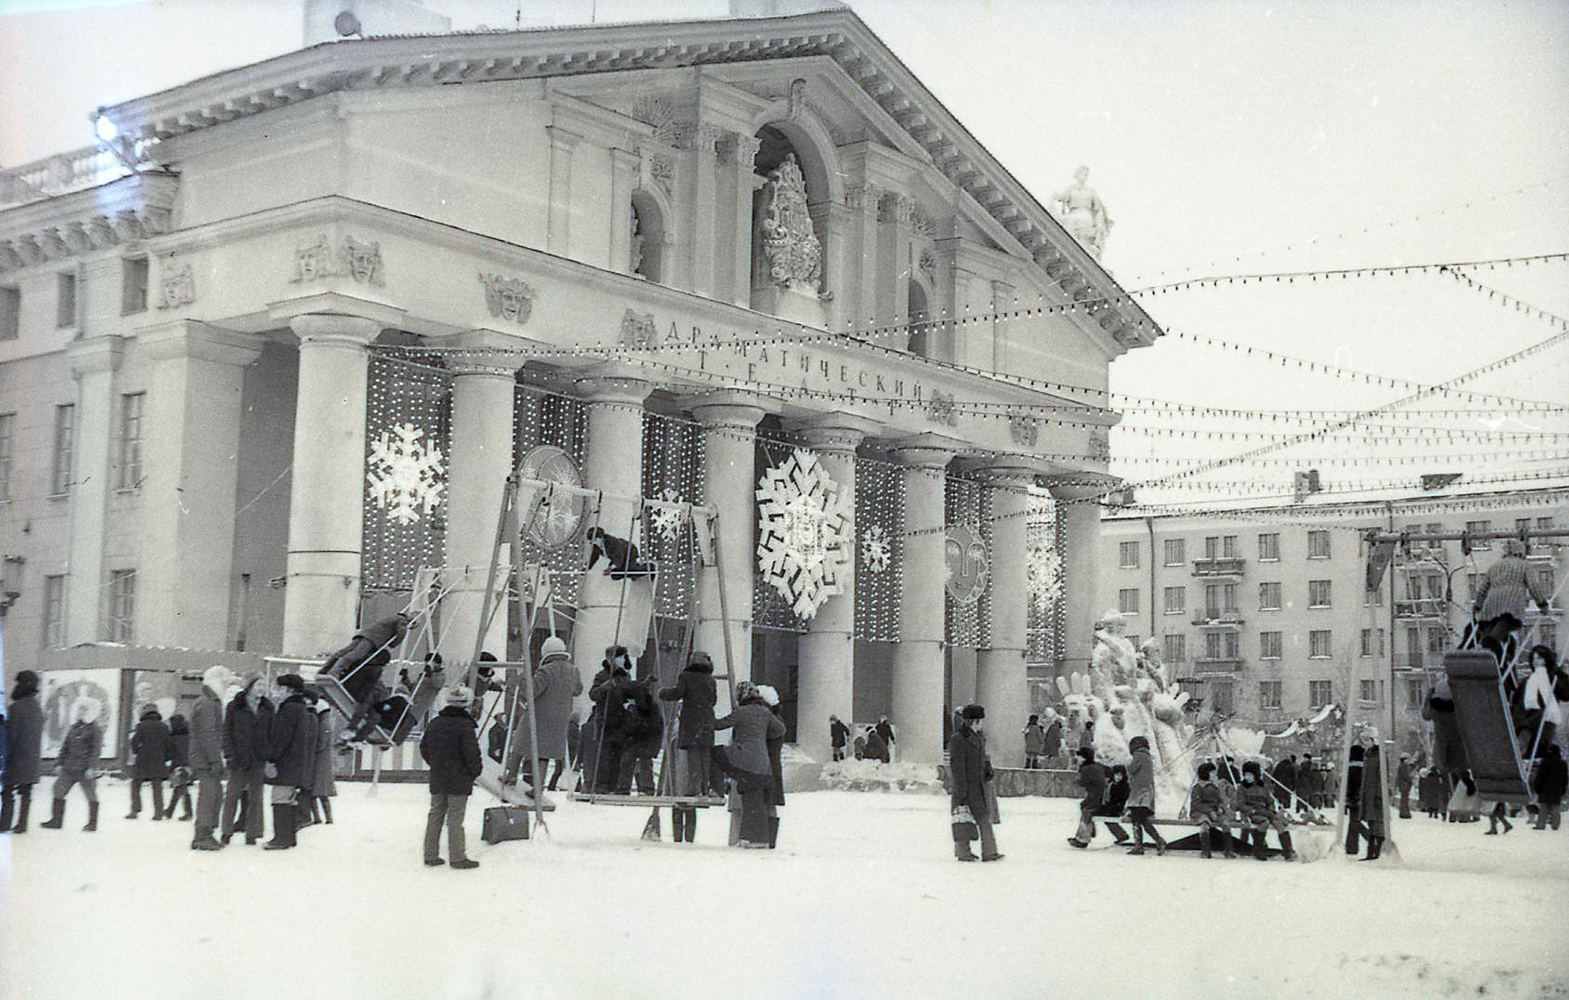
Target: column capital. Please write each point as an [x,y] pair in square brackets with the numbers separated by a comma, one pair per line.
[614,389]
[1081,485]
[625,160]
[734,409]
[495,358]
[1007,470]
[926,451]
[335,329]
[189,338]
[835,433]
[95,354]
[562,139]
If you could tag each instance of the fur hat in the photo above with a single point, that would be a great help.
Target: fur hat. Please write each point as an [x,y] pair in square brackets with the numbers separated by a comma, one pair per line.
[294,682]
[972,712]
[1251,767]
[701,662]
[553,649]
[459,696]
[768,694]
[1138,743]
[217,678]
[149,709]
[1087,754]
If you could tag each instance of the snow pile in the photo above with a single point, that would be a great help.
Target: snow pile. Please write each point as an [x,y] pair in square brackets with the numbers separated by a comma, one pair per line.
[874,776]
[862,899]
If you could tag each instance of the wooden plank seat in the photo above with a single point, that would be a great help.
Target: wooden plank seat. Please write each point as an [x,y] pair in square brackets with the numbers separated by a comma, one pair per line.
[656,801]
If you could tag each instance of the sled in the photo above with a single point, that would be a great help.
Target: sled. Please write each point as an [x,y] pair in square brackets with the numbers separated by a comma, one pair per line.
[1486,729]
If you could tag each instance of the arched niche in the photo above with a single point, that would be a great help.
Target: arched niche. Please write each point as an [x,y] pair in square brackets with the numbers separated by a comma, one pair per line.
[651,236]
[807,144]
[921,332]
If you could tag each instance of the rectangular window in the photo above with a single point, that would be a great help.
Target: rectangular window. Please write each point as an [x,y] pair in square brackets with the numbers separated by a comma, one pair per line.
[1269,695]
[1378,636]
[1548,633]
[1544,522]
[1270,645]
[122,606]
[1320,693]
[1318,593]
[1367,642]
[1176,551]
[1415,691]
[54,611]
[1231,642]
[131,405]
[64,449]
[1435,588]
[1212,600]
[1228,547]
[1212,646]
[1128,555]
[1220,698]
[1318,545]
[1374,597]
[1229,596]
[1433,529]
[1269,597]
[1414,646]
[133,285]
[65,299]
[1319,643]
[1367,691]
[10,312]
[1212,547]
[1437,639]
[1546,582]
[1472,581]
[1174,648]
[1269,547]
[1133,639]
[1128,601]
[1479,544]
[7,426]
[1176,600]
[1522,524]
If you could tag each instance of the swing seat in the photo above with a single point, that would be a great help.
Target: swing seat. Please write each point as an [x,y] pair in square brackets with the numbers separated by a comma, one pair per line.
[645,801]
[340,699]
[1486,730]
[419,706]
[491,780]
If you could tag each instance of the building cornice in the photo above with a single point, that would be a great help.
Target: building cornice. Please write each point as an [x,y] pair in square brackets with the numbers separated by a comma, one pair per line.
[131,208]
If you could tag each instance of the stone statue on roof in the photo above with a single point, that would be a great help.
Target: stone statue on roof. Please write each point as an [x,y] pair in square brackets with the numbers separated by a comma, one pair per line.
[1082,214]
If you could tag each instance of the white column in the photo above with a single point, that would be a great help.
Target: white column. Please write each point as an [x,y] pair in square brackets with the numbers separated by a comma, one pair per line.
[93,363]
[1080,519]
[833,223]
[1002,301]
[861,311]
[558,234]
[615,465]
[192,441]
[729,420]
[918,658]
[740,153]
[479,463]
[1001,682]
[700,229]
[624,167]
[826,653]
[327,483]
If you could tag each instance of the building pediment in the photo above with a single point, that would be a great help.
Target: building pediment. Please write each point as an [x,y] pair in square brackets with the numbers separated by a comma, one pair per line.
[884,95]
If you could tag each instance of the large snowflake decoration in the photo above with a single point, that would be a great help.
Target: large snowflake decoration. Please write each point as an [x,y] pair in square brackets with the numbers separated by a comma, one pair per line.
[876,551]
[805,534]
[405,475]
[667,521]
[1044,569]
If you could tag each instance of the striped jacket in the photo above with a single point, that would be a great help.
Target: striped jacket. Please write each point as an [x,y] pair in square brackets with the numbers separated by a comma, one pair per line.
[1505,590]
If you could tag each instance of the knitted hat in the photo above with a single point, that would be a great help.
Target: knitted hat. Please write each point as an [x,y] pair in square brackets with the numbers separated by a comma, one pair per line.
[768,694]
[149,709]
[973,712]
[459,696]
[553,649]
[744,690]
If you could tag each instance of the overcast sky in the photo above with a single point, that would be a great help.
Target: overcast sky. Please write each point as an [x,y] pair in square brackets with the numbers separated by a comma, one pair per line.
[1289,135]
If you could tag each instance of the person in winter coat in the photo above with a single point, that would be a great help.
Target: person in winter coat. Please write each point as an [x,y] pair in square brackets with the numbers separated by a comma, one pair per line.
[1535,710]
[556,683]
[968,771]
[245,754]
[890,738]
[1404,777]
[291,748]
[603,754]
[1257,808]
[1034,743]
[1116,803]
[746,760]
[1501,597]
[207,755]
[1550,784]
[451,747]
[876,746]
[24,733]
[359,665]
[1306,786]
[838,736]
[1141,796]
[1371,812]
[1356,765]
[325,783]
[698,694]
[775,745]
[1051,742]
[1448,750]
[149,760]
[620,555]
[1093,779]
[1285,775]
[78,764]
[1208,806]
[180,763]
[305,793]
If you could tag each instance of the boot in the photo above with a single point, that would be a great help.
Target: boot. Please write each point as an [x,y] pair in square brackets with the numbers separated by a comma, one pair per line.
[282,828]
[57,818]
[1204,851]
[1225,843]
[1285,846]
[691,826]
[1375,847]
[6,809]
[92,817]
[326,809]
[1260,851]
[1138,840]
[773,832]
[25,797]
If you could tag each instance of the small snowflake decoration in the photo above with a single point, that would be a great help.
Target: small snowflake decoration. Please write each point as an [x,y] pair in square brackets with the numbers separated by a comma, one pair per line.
[804,532]
[405,475]
[1044,570]
[876,552]
[668,520]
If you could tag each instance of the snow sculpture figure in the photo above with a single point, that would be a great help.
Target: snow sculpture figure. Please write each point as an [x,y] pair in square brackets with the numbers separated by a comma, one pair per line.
[790,245]
[1127,695]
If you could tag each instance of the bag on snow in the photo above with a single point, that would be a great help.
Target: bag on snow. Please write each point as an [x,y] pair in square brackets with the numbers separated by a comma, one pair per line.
[964,828]
[503,823]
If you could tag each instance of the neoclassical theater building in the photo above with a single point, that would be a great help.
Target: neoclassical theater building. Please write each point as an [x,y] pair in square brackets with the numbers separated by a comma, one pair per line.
[272,347]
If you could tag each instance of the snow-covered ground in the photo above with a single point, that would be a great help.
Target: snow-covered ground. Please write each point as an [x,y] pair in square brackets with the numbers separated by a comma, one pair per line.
[862,900]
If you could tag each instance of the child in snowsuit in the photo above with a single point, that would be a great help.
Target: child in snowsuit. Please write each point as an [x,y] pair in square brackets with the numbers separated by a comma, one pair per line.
[1208,806]
[1141,796]
[1257,808]
[78,765]
[180,761]
[150,760]
[1092,778]
[1116,804]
